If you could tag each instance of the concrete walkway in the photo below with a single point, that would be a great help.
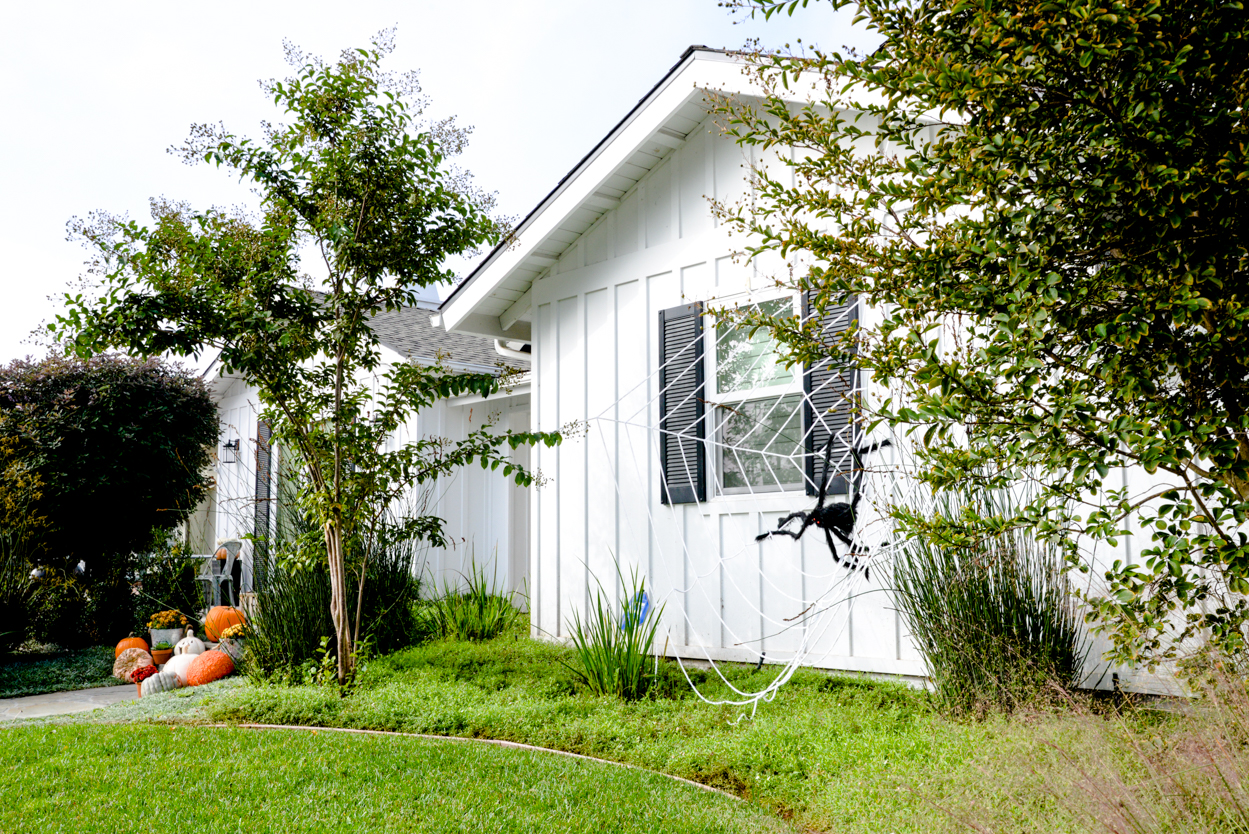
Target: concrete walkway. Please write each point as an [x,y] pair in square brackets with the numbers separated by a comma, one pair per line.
[62,703]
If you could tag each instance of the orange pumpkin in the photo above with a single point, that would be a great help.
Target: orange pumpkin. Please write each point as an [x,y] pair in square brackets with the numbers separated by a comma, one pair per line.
[208,667]
[219,619]
[130,642]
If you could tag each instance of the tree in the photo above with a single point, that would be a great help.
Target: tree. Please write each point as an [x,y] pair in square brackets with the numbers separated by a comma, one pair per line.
[1061,189]
[100,459]
[354,181]
[105,453]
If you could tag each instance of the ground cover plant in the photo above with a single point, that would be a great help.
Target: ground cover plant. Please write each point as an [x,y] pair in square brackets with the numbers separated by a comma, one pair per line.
[82,778]
[37,669]
[518,689]
[832,752]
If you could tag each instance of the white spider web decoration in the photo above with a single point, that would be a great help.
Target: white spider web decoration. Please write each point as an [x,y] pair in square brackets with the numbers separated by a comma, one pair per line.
[755,456]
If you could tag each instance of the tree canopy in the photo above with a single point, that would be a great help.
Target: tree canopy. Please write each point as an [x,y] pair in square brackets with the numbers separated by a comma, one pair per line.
[359,185]
[105,453]
[1047,201]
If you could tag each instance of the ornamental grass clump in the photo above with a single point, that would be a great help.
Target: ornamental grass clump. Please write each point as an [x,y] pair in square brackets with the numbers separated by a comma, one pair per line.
[613,650]
[992,613]
[476,612]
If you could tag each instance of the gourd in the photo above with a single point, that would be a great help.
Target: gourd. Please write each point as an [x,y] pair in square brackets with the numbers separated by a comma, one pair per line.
[208,667]
[128,661]
[163,682]
[179,665]
[189,644]
[219,619]
[130,642]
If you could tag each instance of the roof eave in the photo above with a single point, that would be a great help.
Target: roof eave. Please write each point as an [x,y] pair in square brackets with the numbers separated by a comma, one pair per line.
[715,69]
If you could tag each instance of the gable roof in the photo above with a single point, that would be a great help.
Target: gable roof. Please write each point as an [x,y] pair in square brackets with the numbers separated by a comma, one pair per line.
[409,333]
[494,299]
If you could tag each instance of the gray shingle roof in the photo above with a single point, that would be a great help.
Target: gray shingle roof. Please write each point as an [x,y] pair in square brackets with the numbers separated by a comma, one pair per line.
[409,333]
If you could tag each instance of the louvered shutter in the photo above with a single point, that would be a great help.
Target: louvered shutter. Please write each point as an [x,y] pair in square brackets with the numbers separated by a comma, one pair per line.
[827,406]
[682,427]
[260,528]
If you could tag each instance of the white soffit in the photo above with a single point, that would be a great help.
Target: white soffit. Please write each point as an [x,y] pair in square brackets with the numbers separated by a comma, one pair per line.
[494,299]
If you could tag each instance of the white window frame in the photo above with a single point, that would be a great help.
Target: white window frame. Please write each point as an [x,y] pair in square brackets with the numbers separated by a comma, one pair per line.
[717,399]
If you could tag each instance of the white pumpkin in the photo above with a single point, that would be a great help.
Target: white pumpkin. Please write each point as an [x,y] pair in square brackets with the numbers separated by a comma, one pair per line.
[189,644]
[163,682]
[179,665]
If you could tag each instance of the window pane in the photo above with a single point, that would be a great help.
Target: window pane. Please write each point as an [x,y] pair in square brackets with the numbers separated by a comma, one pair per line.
[743,362]
[761,444]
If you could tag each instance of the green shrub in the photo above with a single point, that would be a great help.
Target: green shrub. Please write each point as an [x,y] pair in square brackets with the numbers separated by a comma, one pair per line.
[15,591]
[392,586]
[291,616]
[994,619]
[612,650]
[292,612]
[58,610]
[478,612]
[164,580]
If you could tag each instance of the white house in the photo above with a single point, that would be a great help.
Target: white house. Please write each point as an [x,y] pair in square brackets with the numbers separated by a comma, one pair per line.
[696,441]
[485,513]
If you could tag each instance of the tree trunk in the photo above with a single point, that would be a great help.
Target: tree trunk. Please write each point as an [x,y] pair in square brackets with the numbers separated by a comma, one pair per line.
[338,598]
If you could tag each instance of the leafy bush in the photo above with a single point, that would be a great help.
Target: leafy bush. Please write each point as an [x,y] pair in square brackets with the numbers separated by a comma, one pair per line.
[164,580]
[105,450]
[478,612]
[15,591]
[995,618]
[613,650]
[58,610]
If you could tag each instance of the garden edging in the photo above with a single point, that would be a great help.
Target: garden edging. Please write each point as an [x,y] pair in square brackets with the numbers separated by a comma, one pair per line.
[515,745]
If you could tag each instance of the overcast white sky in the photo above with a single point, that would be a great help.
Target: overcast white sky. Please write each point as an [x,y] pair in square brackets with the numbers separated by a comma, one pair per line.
[92,95]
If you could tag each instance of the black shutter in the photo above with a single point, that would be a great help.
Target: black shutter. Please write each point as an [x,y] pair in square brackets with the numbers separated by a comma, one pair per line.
[260,528]
[682,429]
[827,406]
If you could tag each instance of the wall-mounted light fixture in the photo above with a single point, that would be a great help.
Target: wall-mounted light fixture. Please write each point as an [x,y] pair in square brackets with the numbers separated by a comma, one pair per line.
[230,451]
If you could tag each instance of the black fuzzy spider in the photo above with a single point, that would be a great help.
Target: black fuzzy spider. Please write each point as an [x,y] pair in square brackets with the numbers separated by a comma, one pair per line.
[836,519]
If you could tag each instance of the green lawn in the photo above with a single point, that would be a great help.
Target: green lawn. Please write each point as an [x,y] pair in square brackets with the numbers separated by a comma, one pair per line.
[36,672]
[75,778]
[831,752]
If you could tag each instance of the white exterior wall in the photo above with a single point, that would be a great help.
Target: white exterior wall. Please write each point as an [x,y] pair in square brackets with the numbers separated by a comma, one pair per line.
[595,342]
[474,503]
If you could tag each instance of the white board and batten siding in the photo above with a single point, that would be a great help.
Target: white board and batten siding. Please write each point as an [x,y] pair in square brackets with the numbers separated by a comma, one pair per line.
[476,504]
[595,344]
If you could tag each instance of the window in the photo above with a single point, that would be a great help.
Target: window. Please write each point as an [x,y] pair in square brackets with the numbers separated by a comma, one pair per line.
[768,424]
[758,414]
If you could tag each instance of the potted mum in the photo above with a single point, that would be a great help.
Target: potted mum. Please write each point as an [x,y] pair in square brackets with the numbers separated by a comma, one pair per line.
[140,675]
[166,627]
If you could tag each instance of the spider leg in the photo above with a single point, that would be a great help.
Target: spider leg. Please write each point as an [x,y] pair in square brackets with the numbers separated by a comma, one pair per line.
[832,546]
[780,531]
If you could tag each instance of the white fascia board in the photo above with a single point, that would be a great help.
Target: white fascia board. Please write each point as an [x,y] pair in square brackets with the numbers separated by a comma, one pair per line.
[702,70]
